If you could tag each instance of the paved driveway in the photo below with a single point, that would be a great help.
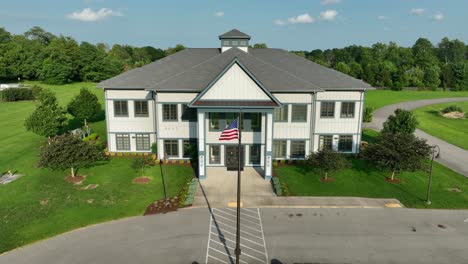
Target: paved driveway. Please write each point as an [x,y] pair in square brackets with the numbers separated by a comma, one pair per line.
[451,156]
[284,235]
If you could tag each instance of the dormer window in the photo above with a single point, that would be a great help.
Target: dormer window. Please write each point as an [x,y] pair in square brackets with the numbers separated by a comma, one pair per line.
[234,43]
[243,43]
[226,43]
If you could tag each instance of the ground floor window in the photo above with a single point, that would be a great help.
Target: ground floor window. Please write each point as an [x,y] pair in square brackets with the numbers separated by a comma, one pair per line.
[188,146]
[143,142]
[122,141]
[215,154]
[297,149]
[326,142]
[345,143]
[171,148]
[279,149]
[255,154]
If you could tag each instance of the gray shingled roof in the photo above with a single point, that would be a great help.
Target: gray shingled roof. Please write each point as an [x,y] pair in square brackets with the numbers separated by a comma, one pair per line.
[234,34]
[191,70]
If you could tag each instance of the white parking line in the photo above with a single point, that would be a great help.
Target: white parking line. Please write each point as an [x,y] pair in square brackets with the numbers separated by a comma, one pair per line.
[222,236]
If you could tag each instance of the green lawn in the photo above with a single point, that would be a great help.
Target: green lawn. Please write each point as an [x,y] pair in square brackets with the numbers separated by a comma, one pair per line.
[363,180]
[23,219]
[454,131]
[380,98]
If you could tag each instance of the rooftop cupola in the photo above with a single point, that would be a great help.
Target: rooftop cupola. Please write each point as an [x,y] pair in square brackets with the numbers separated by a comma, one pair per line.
[234,38]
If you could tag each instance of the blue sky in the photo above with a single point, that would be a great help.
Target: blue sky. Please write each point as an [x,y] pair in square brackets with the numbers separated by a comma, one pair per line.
[293,24]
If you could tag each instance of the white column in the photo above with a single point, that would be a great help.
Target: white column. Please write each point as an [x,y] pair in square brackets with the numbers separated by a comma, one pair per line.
[201,145]
[268,145]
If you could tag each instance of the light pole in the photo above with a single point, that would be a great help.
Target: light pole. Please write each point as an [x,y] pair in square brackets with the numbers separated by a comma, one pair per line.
[435,154]
[164,173]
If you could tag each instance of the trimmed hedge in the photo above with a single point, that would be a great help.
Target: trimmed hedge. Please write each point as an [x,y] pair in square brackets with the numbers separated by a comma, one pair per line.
[277,186]
[16,94]
[188,193]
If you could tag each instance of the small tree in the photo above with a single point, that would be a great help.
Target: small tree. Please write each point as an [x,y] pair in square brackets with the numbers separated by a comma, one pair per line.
[328,161]
[139,164]
[402,122]
[48,118]
[397,152]
[84,106]
[368,114]
[69,151]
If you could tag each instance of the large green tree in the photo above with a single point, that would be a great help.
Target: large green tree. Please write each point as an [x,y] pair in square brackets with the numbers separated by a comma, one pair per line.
[61,62]
[48,118]
[397,152]
[402,121]
[69,152]
[85,106]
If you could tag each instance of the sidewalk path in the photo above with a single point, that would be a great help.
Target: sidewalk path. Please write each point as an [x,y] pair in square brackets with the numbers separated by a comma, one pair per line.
[451,156]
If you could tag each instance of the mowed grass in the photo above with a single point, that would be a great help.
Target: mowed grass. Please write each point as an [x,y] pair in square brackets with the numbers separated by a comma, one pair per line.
[454,131]
[364,180]
[41,204]
[381,98]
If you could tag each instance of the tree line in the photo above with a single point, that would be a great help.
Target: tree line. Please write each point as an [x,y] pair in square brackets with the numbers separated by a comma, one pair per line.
[424,65]
[41,55]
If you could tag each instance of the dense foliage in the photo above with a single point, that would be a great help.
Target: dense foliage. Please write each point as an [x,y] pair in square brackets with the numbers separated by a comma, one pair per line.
[48,118]
[69,152]
[16,94]
[423,65]
[402,121]
[397,152]
[38,54]
[452,108]
[327,160]
[85,106]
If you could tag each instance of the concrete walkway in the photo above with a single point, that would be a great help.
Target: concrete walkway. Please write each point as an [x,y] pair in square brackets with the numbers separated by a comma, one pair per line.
[451,156]
[219,190]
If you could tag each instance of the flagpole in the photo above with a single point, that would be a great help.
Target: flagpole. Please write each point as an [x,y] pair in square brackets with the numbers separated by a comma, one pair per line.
[239,149]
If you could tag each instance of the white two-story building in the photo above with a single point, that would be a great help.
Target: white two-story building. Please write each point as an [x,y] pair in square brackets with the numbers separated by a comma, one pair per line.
[291,106]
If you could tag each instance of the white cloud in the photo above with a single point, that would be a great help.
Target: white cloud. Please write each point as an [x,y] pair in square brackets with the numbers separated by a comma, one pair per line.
[382,18]
[219,14]
[328,15]
[279,22]
[438,16]
[417,11]
[301,19]
[89,15]
[330,2]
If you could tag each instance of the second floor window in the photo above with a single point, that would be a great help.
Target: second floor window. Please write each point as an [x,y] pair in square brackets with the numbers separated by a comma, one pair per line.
[281,114]
[327,109]
[170,112]
[299,113]
[347,110]
[120,109]
[141,108]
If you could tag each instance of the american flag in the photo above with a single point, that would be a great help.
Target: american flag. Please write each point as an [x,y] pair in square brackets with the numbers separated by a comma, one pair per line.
[230,132]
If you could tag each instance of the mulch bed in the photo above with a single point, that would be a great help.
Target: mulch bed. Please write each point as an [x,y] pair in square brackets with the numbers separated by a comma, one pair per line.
[142,180]
[163,206]
[329,179]
[78,179]
[395,180]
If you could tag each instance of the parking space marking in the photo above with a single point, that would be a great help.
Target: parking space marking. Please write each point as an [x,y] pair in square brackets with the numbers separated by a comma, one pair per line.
[222,237]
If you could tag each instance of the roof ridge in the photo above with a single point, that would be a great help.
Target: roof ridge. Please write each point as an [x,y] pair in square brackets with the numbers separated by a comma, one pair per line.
[285,71]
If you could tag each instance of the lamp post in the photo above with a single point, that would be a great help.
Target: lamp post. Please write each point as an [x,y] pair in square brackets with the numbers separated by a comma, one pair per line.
[435,154]
[164,173]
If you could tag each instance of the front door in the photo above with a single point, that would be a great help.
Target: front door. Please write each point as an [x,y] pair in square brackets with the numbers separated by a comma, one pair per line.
[232,158]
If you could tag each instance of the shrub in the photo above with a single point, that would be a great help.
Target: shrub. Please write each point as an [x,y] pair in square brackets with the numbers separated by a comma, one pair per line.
[17,94]
[93,136]
[402,121]
[154,148]
[368,114]
[36,91]
[452,108]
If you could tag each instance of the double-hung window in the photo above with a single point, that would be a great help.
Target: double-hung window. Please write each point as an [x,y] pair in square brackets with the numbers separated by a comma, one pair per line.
[347,109]
[170,112]
[122,141]
[281,114]
[326,142]
[143,142]
[297,149]
[299,113]
[345,143]
[171,148]
[141,108]
[279,149]
[327,109]
[120,108]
